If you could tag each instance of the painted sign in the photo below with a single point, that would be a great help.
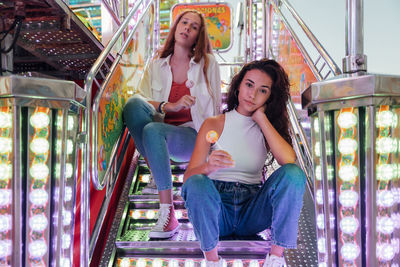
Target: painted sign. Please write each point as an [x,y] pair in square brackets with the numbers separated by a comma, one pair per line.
[289,56]
[218,20]
[122,85]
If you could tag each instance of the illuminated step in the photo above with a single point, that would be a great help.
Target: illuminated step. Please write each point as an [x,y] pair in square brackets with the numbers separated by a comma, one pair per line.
[184,262]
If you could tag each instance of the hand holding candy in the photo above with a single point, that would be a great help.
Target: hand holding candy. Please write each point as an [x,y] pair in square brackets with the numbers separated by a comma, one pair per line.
[218,158]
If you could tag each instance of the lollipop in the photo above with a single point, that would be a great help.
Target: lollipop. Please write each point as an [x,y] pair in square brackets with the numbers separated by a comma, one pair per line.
[212,137]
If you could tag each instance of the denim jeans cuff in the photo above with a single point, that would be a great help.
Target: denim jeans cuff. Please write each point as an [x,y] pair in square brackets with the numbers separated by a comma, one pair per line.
[284,245]
[214,245]
[164,188]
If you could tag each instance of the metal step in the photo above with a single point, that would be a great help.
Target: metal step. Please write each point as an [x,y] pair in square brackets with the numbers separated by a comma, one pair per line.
[53,41]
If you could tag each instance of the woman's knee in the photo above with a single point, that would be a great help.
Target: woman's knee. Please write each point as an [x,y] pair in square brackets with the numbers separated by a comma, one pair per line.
[151,131]
[294,174]
[197,185]
[134,106]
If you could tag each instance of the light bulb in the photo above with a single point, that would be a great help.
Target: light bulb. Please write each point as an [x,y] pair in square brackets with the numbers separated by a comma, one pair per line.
[385,145]
[38,248]
[39,171]
[5,223]
[386,172]
[5,171]
[350,251]
[38,197]
[39,145]
[348,173]
[38,222]
[5,197]
[386,118]
[385,198]
[150,214]
[348,198]
[5,120]
[385,225]
[39,120]
[347,146]
[349,225]
[346,120]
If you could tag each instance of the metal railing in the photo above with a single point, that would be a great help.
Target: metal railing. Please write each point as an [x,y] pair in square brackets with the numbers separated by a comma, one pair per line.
[301,143]
[91,129]
[322,53]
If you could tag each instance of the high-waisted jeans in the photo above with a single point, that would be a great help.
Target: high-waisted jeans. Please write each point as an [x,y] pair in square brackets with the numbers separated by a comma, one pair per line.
[157,141]
[217,208]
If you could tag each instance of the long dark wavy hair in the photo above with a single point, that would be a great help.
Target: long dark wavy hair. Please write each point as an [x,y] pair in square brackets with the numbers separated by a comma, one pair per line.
[276,104]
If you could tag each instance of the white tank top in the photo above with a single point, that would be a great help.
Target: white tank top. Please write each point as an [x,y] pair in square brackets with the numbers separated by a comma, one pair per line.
[244,141]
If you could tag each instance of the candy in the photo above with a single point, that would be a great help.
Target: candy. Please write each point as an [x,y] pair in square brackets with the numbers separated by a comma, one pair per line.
[212,137]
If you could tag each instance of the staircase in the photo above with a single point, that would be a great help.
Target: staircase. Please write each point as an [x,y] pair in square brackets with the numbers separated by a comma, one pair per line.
[137,214]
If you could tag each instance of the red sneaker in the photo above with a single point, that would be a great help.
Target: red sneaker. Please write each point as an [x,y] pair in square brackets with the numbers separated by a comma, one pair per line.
[167,225]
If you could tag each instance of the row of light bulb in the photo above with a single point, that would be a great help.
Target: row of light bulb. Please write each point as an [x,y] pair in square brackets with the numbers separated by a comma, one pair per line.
[387,247]
[142,262]
[39,171]
[151,214]
[6,147]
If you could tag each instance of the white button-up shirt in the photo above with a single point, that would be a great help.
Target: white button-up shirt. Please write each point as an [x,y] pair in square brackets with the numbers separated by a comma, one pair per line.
[157,81]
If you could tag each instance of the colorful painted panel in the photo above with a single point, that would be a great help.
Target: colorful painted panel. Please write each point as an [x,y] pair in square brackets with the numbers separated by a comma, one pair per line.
[287,53]
[218,19]
[122,85]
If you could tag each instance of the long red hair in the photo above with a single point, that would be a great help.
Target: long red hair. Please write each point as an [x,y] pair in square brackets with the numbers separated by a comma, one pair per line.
[200,49]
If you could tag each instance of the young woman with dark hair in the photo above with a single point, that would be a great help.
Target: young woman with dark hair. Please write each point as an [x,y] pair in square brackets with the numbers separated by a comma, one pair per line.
[223,189]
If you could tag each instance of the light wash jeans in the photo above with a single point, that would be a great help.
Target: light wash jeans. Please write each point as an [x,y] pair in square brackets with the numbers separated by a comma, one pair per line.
[157,141]
[217,208]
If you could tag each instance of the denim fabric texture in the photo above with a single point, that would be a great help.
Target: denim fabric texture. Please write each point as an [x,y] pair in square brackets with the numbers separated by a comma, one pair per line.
[157,141]
[217,208]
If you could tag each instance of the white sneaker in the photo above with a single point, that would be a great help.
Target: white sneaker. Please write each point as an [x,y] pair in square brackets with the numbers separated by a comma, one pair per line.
[150,188]
[274,261]
[219,263]
[167,224]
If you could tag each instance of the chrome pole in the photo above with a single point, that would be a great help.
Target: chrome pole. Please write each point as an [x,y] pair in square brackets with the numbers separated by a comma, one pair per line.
[355,60]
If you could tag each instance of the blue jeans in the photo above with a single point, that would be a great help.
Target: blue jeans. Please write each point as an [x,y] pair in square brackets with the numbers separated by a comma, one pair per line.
[157,141]
[217,208]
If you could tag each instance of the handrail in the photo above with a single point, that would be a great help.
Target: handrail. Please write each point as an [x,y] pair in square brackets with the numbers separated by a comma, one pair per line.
[298,129]
[111,12]
[89,134]
[92,136]
[328,59]
[299,44]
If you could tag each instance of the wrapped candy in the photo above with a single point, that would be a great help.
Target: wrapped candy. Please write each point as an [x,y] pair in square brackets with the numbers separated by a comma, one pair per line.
[212,138]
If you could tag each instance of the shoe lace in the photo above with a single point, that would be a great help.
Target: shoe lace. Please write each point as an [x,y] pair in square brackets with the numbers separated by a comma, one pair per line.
[163,218]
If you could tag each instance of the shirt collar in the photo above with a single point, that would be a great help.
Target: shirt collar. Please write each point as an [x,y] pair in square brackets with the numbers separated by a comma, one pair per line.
[165,60]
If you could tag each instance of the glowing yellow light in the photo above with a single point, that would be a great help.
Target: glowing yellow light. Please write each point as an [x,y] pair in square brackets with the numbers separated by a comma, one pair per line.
[39,171]
[70,123]
[317,149]
[386,118]
[347,146]
[5,120]
[136,214]
[125,262]
[347,120]
[5,171]
[39,145]
[5,145]
[141,262]
[386,172]
[386,145]
[40,120]
[157,263]
[146,178]
[150,214]
[69,170]
[316,125]
[348,173]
